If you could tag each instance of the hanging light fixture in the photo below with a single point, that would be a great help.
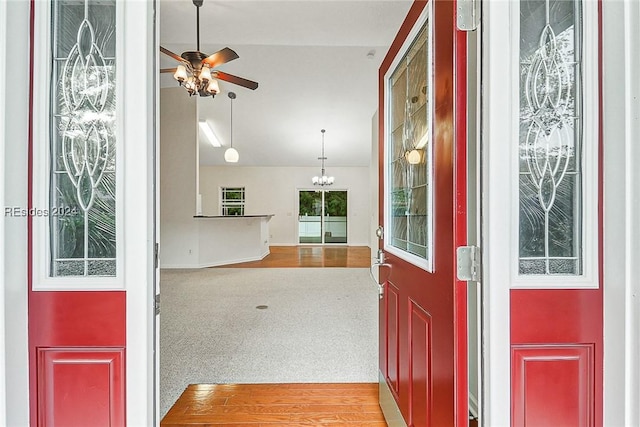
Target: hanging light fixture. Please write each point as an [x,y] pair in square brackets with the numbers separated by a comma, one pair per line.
[323,179]
[231,155]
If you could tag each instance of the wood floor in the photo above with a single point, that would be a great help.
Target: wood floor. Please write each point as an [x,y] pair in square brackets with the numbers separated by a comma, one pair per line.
[311,256]
[255,405]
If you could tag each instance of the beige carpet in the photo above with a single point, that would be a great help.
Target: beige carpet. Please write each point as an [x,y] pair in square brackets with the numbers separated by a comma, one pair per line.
[227,325]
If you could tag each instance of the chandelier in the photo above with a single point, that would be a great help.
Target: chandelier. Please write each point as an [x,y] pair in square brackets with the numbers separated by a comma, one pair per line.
[323,179]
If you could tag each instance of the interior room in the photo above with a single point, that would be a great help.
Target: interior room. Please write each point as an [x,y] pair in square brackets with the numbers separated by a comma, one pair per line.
[313,114]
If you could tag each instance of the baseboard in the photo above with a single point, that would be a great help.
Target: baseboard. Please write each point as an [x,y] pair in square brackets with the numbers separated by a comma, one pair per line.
[388,404]
[215,264]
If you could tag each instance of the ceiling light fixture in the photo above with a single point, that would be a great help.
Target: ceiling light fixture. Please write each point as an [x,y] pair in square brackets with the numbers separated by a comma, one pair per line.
[205,127]
[197,71]
[323,179]
[231,155]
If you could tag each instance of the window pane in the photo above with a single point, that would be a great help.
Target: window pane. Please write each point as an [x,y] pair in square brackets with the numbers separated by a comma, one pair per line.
[232,202]
[82,201]
[409,149]
[550,183]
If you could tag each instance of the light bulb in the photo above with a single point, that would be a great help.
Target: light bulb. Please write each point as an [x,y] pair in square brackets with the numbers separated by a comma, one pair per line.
[205,74]
[314,180]
[413,157]
[231,155]
[180,74]
[213,87]
[330,180]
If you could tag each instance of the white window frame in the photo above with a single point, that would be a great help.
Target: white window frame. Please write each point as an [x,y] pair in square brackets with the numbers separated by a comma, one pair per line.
[42,279]
[428,263]
[589,278]
[226,204]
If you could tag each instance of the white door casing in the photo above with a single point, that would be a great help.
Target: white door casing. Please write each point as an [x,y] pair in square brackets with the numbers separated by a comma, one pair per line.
[3,78]
[139,217]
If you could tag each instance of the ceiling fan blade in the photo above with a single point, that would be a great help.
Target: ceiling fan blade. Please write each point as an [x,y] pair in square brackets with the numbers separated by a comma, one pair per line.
[168,70]
[220,57]
[236,80]
[171,54]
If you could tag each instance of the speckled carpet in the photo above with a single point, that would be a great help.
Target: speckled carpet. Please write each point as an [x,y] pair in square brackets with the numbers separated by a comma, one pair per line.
[252,325]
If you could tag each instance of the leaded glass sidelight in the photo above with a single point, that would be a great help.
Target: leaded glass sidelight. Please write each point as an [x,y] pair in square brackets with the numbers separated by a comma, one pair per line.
[408,151]
[550,138]
[82,193]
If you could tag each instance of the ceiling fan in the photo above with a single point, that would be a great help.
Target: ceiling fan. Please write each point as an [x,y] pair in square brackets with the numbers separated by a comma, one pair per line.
[196,72]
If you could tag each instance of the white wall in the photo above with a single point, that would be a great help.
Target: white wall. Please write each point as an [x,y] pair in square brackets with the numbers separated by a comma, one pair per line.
[274,190]
[178,169]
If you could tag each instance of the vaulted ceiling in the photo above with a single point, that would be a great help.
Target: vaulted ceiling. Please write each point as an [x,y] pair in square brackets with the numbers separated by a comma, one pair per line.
[317,65]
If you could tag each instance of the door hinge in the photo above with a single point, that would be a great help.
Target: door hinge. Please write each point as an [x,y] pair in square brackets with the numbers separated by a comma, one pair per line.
[156,255]
[156,304]
[468,263]
[468,15]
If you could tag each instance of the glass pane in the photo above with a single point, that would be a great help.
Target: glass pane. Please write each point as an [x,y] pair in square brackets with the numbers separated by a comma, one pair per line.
[310,218]
[409,149]
[550,184]
[335,217]
[232,201]
[83,181]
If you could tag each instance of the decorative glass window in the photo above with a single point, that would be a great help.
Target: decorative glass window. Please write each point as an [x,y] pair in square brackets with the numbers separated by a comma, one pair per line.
[409,201]
[82,193]
[551,139]
[232,201]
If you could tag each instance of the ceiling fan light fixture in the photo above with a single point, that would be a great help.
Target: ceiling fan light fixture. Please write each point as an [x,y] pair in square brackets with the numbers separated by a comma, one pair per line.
[213,87]
[181,74]
[205,74]
[194,71]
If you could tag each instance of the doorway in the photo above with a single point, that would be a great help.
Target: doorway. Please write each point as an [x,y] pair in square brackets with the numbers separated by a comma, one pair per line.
[322,216]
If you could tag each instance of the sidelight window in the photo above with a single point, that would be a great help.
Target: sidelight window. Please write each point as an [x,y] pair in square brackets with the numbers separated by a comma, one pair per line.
[551,138]
[82,187]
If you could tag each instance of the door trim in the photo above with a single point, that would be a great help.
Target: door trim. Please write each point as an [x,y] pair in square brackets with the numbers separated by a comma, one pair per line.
[3,98]
[496,103]
[620,89]
[139,130]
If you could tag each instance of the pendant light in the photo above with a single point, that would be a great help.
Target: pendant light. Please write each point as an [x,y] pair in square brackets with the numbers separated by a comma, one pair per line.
[231,155]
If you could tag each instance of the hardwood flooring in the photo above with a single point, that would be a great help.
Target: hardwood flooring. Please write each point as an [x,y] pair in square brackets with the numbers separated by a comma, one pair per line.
[311,256]
[291,405]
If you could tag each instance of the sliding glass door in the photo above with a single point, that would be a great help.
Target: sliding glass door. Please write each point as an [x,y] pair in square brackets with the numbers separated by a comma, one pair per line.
[322,216]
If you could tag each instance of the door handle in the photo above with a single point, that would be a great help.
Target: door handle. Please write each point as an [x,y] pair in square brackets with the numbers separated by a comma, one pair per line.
[378,262]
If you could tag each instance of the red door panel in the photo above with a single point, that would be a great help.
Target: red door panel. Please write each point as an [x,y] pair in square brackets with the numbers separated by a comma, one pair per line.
[79,387]
[423,313]
[553,385]
[556,347]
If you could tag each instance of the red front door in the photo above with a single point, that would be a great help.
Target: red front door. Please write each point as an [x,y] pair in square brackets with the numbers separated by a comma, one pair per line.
[423,336]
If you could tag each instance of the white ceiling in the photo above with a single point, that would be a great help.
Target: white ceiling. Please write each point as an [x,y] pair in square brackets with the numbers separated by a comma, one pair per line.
[310,59]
